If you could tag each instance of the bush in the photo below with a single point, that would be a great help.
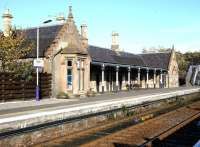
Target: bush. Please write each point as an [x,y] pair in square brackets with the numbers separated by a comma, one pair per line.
[63,95]
[111,116]
[126,111]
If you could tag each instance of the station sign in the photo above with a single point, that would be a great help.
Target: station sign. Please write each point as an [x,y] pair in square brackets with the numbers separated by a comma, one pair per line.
[38,63]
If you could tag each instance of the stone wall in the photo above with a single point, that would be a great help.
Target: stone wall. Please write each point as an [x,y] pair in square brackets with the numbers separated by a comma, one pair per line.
[173,71]
[66,128]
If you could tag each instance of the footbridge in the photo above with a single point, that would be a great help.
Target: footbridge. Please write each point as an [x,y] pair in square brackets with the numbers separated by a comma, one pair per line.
[193,75]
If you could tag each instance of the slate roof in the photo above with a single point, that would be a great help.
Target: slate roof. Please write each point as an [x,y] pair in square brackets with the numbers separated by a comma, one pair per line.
[72,49]
[47,35]
[153,60]
[98,54]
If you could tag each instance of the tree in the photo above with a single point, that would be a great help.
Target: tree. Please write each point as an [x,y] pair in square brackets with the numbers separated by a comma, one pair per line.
[156,50]
[182,63]
[187,59]
[13,51]
[193,58]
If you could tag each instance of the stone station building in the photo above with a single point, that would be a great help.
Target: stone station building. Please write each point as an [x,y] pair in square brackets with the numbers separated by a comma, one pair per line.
[78,67]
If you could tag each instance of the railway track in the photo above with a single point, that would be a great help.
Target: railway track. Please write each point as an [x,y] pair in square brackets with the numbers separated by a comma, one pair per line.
[151,132]
[118,132]
[185,137]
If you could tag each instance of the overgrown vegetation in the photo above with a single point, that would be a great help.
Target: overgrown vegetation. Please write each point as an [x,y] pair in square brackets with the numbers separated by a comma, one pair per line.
[62,95]
[13,51]
[112,115]
[126,111]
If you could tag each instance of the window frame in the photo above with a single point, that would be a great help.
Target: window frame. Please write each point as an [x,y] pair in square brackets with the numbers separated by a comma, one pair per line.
[69,68]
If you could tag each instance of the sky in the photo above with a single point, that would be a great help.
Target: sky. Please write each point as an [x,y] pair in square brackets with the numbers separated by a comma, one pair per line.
[140,23]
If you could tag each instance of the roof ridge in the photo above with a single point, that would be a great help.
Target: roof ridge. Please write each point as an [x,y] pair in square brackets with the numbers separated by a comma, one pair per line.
[112,50]
[46,26]
[100,47]
[155,53]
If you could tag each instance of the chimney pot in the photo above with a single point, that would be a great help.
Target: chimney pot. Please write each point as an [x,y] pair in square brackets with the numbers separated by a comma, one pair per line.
[60,18]
[84,35]
[115,41]
[84,31]
[7,22]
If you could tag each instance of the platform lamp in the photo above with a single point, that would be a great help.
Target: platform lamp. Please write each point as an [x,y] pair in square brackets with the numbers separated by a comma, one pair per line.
[37,95]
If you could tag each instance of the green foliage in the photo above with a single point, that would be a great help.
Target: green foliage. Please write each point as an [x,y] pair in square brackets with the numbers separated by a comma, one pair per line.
[63,95]
[126,111]
[25,71]
[192,57]
[180,101]
[156,50]
[13,50]
[184,60]
[111,115]
[182,63]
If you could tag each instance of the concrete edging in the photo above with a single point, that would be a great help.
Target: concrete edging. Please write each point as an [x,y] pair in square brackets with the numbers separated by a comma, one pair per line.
[23,121]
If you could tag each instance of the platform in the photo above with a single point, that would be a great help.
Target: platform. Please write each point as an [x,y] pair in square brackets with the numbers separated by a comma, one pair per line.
[29,113]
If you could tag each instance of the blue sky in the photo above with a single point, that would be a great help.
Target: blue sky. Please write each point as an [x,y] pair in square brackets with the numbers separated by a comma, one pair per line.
[140,23]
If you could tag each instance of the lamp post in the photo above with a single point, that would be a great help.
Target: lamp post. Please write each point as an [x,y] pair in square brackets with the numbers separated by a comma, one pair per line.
[37,96]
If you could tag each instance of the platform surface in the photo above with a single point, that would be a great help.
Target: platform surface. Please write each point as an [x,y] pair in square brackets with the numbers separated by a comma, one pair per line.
[22,110]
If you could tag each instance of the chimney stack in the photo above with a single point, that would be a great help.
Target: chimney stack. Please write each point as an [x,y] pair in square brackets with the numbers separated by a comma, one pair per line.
[7,23]
[115,41]
[60,18]
[84,35]
[70,15]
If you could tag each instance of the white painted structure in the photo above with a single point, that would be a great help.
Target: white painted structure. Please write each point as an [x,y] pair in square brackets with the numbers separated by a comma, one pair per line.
[193,75]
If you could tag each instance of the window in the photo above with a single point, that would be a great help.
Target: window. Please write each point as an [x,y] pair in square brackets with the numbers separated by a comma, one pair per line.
[69,78]
[69,63]
[69,74]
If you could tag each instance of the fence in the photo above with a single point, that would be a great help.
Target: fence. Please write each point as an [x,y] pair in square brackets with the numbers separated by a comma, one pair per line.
[12,88]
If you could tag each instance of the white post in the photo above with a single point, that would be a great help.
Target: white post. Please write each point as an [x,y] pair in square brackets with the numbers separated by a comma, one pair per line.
[139,76]
[37,56]
[166,77]
[195,76]
[117,78]
[37,70]
[147,84]
[129,77]
[102,80]
[154,78]
[161,80]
